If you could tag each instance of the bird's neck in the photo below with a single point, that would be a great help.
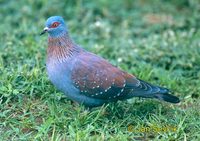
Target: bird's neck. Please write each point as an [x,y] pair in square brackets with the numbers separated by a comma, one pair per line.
[61,48]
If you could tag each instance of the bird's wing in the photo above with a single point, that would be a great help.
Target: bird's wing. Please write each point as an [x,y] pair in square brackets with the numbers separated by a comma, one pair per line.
[97,78]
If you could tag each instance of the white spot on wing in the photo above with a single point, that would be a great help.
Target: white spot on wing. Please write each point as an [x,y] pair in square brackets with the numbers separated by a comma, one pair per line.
[124,83]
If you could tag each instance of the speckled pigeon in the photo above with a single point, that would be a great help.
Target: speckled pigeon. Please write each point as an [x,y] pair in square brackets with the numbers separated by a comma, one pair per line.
[87,78]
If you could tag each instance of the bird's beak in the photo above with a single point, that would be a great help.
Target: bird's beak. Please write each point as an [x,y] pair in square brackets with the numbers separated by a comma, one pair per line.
[44,30]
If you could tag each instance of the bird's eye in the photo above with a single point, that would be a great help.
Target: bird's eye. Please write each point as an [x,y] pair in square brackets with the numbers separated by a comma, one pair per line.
[55,24]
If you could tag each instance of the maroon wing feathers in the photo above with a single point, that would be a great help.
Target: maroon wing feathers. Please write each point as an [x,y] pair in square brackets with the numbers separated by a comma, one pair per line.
[95,77]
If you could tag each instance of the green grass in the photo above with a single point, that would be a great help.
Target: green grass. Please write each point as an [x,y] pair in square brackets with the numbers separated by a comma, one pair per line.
[157,40]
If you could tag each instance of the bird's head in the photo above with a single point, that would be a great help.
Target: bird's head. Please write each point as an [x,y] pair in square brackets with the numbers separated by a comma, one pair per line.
[55,26]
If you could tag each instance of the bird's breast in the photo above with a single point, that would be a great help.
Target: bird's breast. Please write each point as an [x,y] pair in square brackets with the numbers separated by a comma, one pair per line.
[59,74]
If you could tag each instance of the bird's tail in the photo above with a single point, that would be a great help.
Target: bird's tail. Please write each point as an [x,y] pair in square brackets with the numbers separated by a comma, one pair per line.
[148,90]
[167,97]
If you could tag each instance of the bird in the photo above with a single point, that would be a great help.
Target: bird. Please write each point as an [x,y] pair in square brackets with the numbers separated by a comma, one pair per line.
[87,78]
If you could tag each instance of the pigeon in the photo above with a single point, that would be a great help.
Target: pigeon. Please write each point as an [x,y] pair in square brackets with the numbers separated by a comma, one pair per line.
[87,78]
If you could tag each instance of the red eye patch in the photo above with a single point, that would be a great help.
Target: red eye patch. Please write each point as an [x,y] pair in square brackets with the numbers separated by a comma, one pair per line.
[55,24]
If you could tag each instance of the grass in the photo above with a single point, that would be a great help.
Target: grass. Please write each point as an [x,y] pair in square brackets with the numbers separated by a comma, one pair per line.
[157,40]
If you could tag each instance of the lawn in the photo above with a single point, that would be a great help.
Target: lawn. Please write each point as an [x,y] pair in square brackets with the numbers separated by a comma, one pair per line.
[156,40]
